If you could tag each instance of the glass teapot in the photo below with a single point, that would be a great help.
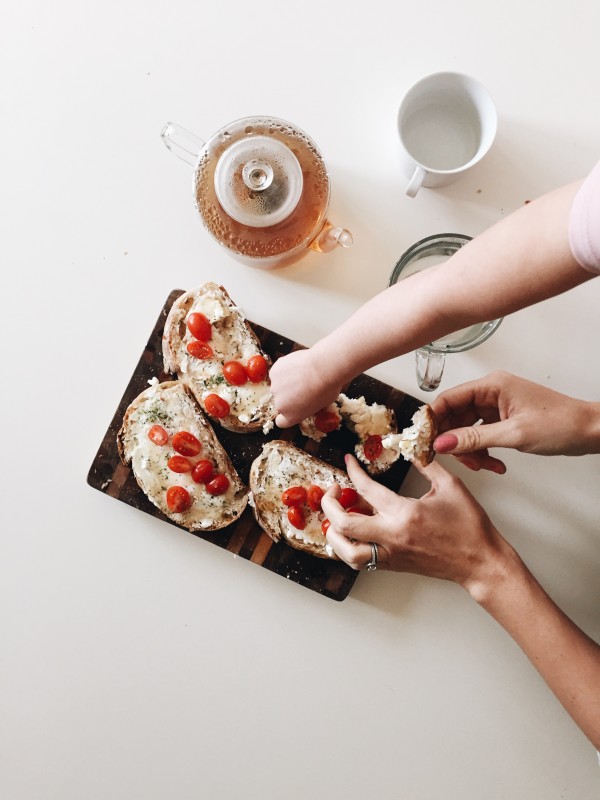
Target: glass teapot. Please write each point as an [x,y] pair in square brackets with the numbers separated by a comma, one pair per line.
[262,189]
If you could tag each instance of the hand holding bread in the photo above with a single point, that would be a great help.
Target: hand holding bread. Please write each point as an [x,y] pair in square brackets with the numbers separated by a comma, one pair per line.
[444,534]
[515,413]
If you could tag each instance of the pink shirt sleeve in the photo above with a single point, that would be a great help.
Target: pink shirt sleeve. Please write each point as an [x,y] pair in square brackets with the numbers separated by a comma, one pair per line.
[584,223]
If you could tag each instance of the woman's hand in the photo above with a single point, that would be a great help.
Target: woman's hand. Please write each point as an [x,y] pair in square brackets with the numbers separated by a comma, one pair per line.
[446,534]
[515,413]
[302,385]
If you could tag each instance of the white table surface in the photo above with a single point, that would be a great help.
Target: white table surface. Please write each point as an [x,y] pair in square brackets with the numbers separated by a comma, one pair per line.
[138,661]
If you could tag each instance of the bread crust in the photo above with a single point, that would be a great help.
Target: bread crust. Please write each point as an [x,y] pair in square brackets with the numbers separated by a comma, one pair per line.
[233,340]
[279,466]
[172,405]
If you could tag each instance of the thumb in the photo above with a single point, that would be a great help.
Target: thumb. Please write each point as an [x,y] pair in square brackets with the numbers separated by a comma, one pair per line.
[474,438]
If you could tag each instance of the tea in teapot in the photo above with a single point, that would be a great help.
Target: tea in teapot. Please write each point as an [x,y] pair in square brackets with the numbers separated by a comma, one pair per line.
[262,190]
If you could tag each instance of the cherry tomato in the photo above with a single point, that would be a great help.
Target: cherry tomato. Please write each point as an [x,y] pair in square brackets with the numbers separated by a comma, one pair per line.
[348,498]
[357,510]
[203,471]
[235,373]
[178,499]
[373,447]
[296,517]
[313,497]
[216,406]
[325,526]
[257,368]
[326,421]
[218,485]
[294,496]
[199,326]
[186,444]
[179,464]
[158,435]
[199,349]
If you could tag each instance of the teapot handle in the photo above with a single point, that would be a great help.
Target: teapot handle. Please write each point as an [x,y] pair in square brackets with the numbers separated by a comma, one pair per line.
[183,143]
[331,237]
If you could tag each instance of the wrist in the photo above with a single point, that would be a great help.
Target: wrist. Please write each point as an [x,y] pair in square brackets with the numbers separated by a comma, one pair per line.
[496,573]
[591,439]
[327,358]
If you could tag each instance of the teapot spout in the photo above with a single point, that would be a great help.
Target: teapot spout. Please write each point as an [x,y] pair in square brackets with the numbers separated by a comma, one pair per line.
[330,238]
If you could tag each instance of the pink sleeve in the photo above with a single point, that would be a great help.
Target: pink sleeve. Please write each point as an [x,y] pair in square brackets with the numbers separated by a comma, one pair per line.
[584,223]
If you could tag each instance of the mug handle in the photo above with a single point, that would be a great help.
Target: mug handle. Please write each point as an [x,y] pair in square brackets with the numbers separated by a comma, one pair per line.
[416,181]
[430,368]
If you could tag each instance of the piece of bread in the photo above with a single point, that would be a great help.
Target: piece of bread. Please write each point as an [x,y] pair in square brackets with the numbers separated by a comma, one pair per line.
[415,443]
[367,421]
[280,466]
[167,409]
[231,339]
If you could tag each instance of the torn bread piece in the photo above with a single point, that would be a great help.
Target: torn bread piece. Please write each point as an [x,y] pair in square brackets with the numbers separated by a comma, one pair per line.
[414,443]
[325,421]
[370,422]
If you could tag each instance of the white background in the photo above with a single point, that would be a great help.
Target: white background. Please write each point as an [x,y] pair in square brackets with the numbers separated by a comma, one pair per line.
[137,661]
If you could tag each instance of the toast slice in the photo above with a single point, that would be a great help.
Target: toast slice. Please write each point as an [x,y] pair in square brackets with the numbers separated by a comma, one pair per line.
[247,407]
[280,466]
[146,443]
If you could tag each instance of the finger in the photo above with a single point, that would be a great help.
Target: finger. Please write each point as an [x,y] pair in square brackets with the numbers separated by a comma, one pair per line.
[355,554]
[374,493]
[482,460]
[475,437]
[351,526]
[466,403]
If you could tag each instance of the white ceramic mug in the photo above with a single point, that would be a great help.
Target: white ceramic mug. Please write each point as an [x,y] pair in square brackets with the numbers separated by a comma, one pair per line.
[447,123]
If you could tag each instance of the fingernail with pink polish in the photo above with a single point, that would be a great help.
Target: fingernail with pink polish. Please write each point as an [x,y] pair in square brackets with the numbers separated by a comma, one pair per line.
[445,443]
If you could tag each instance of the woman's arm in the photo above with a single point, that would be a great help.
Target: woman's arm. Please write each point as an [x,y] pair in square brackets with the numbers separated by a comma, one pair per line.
[567,659]
[447,534]
[519,261]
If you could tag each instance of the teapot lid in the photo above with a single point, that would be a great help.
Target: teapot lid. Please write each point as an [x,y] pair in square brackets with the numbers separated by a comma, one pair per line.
[258,181]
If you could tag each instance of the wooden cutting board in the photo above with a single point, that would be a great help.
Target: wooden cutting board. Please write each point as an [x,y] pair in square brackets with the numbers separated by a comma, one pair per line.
[244,537]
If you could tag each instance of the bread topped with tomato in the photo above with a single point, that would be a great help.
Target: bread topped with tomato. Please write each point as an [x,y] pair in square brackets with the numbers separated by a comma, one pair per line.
[287,485]
[211,348]
[178,461]
[380,445]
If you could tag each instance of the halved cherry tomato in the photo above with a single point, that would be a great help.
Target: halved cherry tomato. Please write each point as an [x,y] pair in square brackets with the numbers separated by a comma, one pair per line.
[257,368]
[325,526]
[326,421]
[199,326]
[199,349]
[158,435]
[357,510]
[203,471]
[218,485]
[296,517]
[294,496]
[178,499]
[235,373]
[186,443]
[348,497]
[373,447]
[314,495]
[216,406]
[179,464]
